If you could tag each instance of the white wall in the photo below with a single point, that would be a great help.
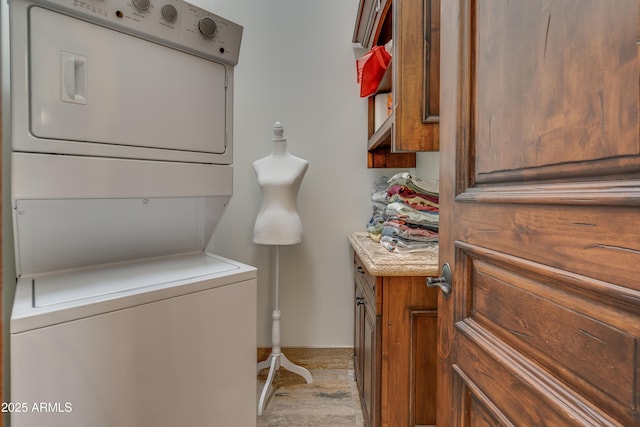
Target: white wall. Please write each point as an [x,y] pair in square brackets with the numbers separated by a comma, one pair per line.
[297,66]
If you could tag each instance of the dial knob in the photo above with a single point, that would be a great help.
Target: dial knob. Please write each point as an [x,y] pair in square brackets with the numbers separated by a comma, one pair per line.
[169,12]
[142,4]
[207,26]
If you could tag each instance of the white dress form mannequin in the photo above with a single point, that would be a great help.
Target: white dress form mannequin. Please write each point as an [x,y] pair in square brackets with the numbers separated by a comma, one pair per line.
[278,223]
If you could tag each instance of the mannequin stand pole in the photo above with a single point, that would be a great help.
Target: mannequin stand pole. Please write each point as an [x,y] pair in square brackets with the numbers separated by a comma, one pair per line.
[276,359]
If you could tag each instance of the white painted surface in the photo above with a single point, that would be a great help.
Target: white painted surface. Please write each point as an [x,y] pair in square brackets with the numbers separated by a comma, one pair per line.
[157,357]
[78,85]
[123,97]
[160,342]
[73,211]
[59,297]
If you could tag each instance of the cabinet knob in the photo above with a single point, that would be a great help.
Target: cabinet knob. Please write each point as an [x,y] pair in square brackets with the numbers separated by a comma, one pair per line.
[443,282]
[359,300]
[360,270]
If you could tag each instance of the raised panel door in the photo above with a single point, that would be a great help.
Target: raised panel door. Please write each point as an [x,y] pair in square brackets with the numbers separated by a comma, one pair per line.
[358,355]
[369,373]
[540,189]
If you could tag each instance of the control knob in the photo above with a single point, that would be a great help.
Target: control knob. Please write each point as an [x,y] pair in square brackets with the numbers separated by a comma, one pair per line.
[207,26]
[142,4]
[169,12]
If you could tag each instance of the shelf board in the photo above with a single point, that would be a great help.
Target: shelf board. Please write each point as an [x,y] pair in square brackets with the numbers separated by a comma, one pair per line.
[387,80]
[382,136]
[379,149]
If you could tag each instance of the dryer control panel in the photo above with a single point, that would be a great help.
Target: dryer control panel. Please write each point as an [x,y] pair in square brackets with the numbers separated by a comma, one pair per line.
[173,23]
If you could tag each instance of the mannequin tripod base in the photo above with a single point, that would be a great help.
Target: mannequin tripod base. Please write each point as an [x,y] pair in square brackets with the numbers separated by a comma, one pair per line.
[275,361]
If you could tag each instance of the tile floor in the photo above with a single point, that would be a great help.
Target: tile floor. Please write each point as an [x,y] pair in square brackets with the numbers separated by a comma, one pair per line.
[331,400]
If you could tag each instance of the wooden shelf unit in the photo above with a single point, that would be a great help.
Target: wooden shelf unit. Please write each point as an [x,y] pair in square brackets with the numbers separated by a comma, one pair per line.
[413,26]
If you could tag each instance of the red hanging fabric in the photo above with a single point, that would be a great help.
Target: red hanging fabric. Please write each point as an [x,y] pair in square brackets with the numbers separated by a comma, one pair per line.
[371,68]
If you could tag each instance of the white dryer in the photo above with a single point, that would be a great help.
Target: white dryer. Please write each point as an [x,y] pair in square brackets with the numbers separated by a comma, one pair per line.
[122,143]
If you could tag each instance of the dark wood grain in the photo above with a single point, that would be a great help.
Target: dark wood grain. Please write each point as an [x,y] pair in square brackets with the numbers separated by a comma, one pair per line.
[540,188]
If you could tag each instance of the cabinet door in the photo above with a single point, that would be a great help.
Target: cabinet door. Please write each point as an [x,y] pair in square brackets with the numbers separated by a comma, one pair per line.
[416,68]
[370,405]
[367,345]
[365,21]
[414,27]
[358,338]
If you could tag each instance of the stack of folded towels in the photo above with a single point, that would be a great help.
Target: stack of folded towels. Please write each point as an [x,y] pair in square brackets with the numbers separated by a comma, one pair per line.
[405,214]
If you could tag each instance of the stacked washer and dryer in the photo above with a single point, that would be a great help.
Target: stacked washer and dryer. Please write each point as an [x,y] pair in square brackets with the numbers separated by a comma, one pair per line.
[122,120]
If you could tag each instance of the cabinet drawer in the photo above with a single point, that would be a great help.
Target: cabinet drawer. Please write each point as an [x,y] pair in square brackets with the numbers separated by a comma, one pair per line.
[368,284]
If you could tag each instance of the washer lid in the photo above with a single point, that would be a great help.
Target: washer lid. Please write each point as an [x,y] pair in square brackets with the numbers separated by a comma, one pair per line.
[103,281]
[51,299]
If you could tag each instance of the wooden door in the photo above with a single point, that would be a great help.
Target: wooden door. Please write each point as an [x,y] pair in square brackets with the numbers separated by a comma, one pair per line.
[540,213]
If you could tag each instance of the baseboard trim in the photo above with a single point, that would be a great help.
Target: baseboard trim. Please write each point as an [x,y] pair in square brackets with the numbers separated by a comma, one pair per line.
[314,357]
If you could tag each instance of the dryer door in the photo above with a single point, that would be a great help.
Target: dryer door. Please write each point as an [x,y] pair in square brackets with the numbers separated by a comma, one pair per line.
[96,91]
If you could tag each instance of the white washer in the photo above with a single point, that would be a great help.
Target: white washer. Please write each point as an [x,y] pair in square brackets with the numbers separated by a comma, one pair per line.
[121,168]
[142,344]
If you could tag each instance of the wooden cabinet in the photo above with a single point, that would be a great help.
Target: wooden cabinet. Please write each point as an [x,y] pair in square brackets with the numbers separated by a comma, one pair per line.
[367,345]
[413,78]
[395,348]
[366,21]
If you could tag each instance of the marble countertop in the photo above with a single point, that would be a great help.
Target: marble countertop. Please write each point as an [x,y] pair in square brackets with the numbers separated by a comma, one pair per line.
[380,262]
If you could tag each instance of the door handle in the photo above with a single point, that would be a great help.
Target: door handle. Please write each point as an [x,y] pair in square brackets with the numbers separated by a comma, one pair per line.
[74,78]
[443,282]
